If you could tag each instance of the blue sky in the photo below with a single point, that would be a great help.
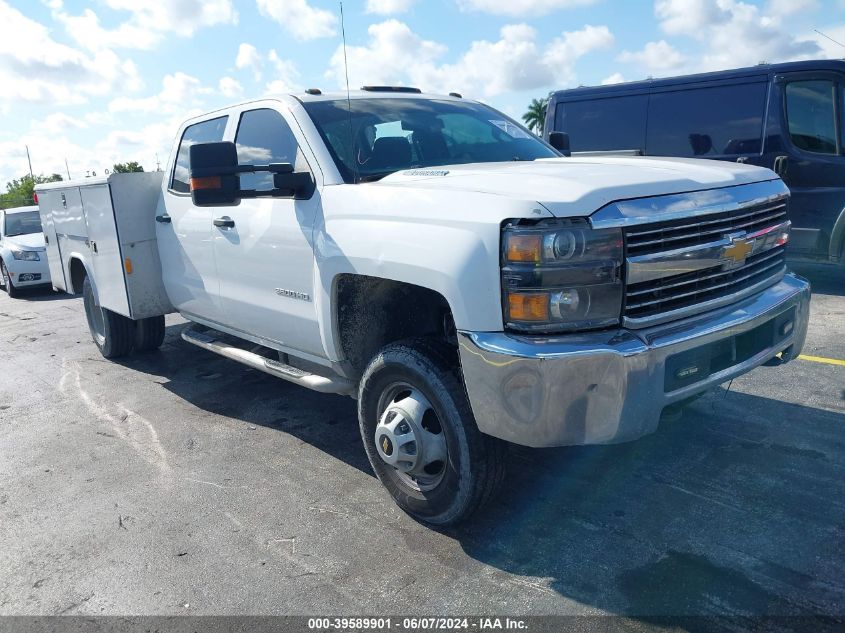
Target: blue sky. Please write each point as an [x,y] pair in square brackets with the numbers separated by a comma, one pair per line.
[110,80]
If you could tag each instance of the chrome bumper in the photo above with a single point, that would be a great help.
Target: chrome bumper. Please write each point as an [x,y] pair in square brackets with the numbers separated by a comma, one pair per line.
[611,386]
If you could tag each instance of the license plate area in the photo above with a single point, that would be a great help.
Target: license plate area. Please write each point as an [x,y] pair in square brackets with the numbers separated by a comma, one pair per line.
[694,365]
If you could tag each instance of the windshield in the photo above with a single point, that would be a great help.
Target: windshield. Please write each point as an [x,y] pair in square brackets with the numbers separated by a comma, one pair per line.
[22,223]
[388,135]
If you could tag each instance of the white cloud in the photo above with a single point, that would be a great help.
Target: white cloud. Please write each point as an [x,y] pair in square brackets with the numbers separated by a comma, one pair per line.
[230,87]
[733,33]
[249,57]
[178,92]
[655,57]
[302,20]
[520,8]
[35,68]
[85,29]
[182,17]
[391,57]
[388,7]
[148,22]
[516,61]
[285,75]
[284,72]
[790,7]
[615,78]
[58,123]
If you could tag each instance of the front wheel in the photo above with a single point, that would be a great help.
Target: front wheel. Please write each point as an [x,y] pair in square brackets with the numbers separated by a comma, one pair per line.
[421,437]
[112,333]
[7,281]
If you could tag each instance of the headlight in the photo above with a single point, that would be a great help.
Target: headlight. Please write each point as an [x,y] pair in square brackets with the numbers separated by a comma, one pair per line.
[561,275]
[28,256]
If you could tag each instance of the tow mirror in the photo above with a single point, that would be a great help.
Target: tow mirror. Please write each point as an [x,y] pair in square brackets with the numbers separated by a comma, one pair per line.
[560,141]
[214,174]
[215,177]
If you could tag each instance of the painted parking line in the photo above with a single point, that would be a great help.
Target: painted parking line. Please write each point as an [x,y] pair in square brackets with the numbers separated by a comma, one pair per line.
[822,359]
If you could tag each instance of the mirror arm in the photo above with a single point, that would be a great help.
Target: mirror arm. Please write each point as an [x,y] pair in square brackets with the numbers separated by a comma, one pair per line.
[274,168]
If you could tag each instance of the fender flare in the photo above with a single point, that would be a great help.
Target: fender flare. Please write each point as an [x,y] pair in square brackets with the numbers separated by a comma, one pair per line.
[73,289]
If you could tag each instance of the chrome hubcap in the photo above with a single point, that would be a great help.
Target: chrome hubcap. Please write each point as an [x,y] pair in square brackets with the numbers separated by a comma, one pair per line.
[409,437]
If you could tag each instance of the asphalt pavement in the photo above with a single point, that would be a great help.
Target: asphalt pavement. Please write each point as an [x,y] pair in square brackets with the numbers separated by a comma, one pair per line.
[178,482]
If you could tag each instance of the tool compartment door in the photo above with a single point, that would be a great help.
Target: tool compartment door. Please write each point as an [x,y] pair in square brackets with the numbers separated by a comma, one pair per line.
[104,246]
[48,203]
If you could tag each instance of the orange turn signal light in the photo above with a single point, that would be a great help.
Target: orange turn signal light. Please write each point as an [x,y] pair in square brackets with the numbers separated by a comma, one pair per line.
[209,182]
[528,306]
[127,266]
[524,248]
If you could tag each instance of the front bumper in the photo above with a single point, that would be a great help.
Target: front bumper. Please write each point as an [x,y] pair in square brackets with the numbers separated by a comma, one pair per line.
[611,386]
[28,273]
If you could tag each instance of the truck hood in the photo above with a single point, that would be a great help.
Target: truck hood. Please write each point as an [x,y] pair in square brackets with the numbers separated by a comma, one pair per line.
[579,186]
[29,242]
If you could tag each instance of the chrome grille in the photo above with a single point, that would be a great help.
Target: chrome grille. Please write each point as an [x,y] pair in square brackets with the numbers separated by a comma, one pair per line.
[688,284]
[650,238]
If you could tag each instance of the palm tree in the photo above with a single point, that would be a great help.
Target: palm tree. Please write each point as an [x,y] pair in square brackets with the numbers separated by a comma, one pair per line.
[535,117]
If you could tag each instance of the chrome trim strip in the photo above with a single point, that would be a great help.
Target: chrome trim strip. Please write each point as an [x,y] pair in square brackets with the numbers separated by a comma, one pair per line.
[688,293]
[776,211]
[781,212]
[718,273]
[680,313]
[688,205]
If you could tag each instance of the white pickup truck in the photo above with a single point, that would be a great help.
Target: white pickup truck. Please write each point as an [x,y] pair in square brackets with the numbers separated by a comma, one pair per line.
[468,283]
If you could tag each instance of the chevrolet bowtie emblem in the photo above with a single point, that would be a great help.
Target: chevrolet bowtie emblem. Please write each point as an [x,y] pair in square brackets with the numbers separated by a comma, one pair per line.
[739,249]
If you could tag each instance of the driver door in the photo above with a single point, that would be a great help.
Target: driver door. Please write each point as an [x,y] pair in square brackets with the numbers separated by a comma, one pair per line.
[264,256]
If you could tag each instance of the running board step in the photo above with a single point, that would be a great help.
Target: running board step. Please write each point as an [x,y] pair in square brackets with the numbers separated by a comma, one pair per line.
[207,340]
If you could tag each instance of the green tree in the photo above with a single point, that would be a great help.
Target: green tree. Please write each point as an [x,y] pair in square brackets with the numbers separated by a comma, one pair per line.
[127,168]
[19,191]
[535,116]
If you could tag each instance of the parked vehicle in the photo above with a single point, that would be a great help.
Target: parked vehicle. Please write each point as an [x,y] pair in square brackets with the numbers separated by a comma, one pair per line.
[23,262]
[433,259]
[788,117]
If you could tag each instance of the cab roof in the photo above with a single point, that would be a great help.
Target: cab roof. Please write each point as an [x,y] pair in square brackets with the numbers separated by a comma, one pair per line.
[735,73]
[21,209]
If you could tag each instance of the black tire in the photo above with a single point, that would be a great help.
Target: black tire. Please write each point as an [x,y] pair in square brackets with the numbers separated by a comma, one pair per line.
[113,334]
[149,333]
[475,465]
[7,282]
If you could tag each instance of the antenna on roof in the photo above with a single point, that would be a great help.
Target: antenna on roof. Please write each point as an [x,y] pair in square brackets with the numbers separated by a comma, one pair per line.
[830,38]
[348,98]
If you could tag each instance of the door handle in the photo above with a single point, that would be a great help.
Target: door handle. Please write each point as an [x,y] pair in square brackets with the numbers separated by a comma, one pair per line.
[224,223]
[164,219]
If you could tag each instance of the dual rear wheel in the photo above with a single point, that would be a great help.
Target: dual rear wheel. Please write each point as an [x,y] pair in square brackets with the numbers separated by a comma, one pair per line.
[116,335]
